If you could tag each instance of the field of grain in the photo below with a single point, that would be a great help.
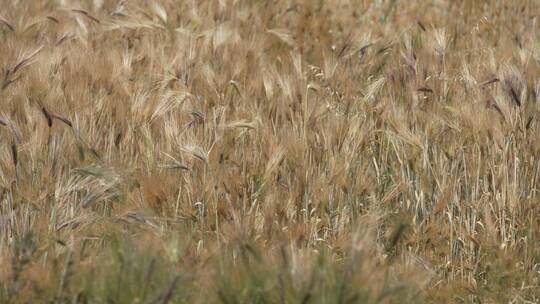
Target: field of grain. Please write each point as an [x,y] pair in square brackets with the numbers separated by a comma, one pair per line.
[251,151]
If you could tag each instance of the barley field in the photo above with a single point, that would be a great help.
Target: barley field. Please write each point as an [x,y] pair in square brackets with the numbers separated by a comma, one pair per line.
[251,151]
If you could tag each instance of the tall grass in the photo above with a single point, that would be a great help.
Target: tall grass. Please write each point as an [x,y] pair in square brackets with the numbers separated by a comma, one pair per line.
[242,151]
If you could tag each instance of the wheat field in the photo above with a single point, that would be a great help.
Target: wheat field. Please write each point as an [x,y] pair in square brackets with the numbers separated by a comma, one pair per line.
[251,151]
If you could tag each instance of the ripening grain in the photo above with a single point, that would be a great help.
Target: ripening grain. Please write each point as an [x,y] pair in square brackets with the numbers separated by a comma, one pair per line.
[242,151]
